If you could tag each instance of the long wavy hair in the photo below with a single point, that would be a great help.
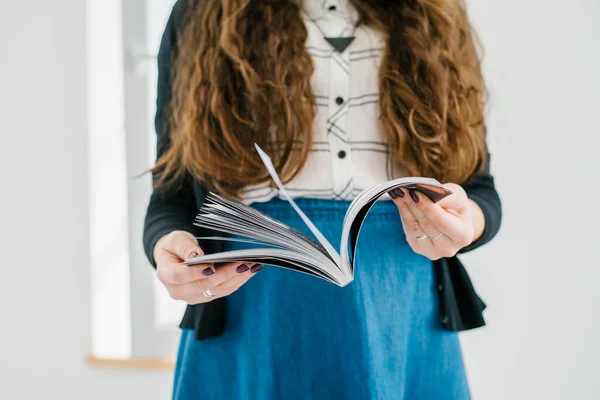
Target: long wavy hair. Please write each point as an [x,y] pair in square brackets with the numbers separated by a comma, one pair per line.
[242,75]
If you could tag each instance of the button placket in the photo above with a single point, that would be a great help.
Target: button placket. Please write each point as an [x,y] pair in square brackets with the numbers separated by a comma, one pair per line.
[339,141]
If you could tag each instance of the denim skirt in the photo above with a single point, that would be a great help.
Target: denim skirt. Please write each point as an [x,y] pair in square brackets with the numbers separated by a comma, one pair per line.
[293,336]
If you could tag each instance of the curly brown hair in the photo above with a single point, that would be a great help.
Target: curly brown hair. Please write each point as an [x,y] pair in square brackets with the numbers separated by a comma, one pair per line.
[242,68]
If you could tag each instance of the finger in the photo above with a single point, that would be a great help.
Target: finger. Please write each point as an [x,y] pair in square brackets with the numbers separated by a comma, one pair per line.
[410,225]
[213,277]
[409,221]
[425,244]
[224,273]
[209,280]
[437,244]
[227,287]
[182,244]
[451,226]
[397,193]
[425,223]
[231,285]
[176,273]
[457,200]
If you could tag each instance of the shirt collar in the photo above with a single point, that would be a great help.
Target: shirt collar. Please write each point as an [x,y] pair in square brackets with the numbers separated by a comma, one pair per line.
[320,10]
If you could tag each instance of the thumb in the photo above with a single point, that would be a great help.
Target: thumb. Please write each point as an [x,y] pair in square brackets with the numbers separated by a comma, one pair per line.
[457,200]
[183,245]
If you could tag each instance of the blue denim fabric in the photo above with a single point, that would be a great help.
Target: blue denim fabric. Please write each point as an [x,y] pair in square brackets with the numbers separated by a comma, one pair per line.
[293,336]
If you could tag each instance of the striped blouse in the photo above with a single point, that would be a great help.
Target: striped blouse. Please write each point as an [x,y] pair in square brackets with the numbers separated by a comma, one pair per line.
[349,151]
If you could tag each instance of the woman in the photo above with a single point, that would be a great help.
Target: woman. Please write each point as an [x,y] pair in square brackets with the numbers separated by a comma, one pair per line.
[342,94]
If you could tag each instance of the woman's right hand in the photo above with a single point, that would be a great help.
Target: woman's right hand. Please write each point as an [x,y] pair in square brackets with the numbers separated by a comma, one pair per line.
[189,282]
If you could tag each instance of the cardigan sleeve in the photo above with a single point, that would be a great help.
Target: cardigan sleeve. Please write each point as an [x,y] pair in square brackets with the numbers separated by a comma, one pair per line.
[481,189]
[460,306]
[173,207]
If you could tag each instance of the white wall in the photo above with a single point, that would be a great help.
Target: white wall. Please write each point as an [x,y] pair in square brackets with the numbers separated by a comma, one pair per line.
[539,277]
[44,295]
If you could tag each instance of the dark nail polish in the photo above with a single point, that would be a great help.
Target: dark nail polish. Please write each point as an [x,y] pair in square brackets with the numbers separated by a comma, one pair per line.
[392,194]
[208,272]
[399,192]
[256,268]
[194,254]
[242,268]
[413,195]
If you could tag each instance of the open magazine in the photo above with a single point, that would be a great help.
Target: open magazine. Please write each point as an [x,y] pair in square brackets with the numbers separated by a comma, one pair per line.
[280,245]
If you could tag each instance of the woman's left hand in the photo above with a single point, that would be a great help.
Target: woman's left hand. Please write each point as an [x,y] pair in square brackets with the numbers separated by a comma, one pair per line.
[436,230]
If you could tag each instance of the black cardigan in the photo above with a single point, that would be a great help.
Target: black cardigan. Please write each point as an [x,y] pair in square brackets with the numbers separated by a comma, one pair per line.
[175,209]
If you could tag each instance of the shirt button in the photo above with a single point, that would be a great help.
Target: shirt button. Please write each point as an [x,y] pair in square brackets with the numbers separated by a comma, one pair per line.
[444,319]
[341,154]
[332,8]
[440,287]
[339,100]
